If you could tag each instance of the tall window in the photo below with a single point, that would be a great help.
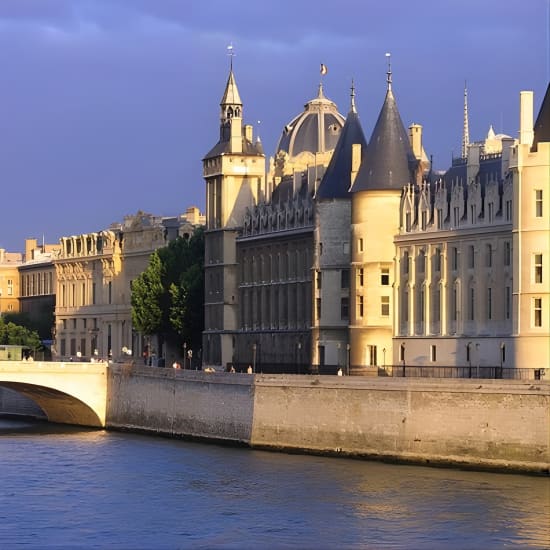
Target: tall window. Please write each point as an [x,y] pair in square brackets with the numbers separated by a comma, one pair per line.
[471,304]
[421,261]
[360,306]
[433,353]
[408,221]
[405,262]
[488,255]
[372,355]
[10,287]
[360,276]
[507,253]
[538,268]
[360,245]
[489,303]
[385,276]
[508,210]
[319,280]
[454,305]
[424,219]
[344,308]
[439,218]
[344,278]
[538,203]
[385,306]
[318,307]
[537,310]
[456,216]
[507,302]
[491,210]
[110,290]
[471,257]
[454,252]
[437,262]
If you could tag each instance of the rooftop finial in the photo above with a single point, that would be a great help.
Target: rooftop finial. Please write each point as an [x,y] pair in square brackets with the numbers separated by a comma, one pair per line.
[388,57]
[353,109]
[231,54]
[465,130]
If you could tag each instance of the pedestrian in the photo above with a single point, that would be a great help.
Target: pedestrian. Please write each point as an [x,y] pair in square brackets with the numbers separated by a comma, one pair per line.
[340,373]
[249,369]
[232,369]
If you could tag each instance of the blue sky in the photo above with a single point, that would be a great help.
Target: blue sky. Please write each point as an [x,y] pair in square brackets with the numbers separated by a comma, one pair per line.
[108,106]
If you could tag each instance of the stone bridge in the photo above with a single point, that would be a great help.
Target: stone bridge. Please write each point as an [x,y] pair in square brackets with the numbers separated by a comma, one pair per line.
[68,393]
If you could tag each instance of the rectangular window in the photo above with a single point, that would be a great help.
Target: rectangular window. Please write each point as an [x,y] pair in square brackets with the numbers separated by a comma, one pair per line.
[436,306]
[318,307]
[508,210]
[456,216]
[433,353]
[360,245]
[372,355]
[320,249]
[360,276]
[491,212]
[385,306]
[537,306]
[405,263]
[344,309]
[538,203]
[360,306]
[110,290]
[408,221]
[439,218]
[421,262]
[424,219]
[454,305]
[507,302]
[437,262]
[489,256]
[489,303]
[471,304]
[454,252]
[319,280]
[83,297]
[472,214]
[471,256]
[344,278]
[10,287]
[74,324]
[385,276]
[507,253]
[538,268]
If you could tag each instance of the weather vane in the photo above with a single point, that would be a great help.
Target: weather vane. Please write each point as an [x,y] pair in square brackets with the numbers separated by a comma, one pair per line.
[231,53]
[388,57]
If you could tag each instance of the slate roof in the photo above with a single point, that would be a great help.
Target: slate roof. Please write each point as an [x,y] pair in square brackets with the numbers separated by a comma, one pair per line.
[389,160]
[542,125]
[336,180]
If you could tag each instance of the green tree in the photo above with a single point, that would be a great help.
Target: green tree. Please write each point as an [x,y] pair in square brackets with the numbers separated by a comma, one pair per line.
[12,334]
[168,297]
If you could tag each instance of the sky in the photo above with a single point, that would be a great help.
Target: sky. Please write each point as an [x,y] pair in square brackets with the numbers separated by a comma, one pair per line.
[108,106]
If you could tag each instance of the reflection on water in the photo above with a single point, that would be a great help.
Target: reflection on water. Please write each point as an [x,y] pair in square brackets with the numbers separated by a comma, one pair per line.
[65,488]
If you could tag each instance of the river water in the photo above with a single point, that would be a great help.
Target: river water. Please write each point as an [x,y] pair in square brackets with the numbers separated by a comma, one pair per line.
[63,487]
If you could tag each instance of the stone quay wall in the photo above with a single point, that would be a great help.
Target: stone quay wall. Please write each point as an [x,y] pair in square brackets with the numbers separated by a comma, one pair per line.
[480,424]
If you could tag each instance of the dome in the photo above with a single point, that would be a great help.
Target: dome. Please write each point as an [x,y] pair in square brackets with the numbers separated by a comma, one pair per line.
[315,130]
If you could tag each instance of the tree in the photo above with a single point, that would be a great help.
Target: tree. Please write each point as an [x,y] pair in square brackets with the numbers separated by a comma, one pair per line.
[12,334]
[168,297]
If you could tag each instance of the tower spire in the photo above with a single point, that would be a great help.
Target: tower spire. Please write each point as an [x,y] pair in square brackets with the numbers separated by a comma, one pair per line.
[465,129]
[388,79]
[353,109]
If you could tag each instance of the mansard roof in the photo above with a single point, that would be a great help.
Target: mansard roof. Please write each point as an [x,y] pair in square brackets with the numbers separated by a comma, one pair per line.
[337,178]
[389,159]
[224,147]
[542,125]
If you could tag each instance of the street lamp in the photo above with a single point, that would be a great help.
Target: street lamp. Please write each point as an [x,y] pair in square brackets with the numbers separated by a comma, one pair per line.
[347,358]
[469,358]
[254,357]
[477,360]
[384,354]
[184,354]
[299,356]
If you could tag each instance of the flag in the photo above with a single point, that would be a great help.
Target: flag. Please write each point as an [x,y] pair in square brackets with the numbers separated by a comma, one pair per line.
[324,69]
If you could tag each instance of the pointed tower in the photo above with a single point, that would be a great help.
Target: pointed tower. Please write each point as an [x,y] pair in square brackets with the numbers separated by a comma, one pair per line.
[388,166]
[234,172]
[466,126]
[332,223]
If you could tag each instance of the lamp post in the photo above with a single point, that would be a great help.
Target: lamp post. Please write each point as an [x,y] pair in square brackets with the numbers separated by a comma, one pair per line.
[299,356]
[384,354]
[184,354]
[347,358]
[477,360]
[254,358]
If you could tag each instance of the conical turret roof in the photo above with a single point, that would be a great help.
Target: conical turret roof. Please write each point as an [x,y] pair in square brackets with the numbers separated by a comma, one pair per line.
[389,158]
[337,178]
[542,125]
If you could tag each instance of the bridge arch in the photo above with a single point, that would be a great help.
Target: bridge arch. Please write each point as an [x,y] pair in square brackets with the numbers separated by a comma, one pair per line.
[68,393]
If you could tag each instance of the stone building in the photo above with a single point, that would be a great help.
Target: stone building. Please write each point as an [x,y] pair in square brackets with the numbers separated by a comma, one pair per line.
[356,255]
[94,274]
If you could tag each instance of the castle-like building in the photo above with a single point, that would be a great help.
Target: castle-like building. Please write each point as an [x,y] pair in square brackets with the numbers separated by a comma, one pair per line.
[355,254]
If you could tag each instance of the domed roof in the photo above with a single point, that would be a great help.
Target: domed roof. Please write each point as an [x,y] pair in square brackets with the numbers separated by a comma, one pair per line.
[315,130]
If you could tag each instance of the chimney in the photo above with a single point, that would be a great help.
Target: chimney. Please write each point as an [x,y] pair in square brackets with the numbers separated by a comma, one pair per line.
[415,138]
[526,118]
[30,246]
[248,132]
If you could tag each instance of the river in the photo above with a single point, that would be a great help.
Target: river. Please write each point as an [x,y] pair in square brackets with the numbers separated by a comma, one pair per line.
[64,487]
